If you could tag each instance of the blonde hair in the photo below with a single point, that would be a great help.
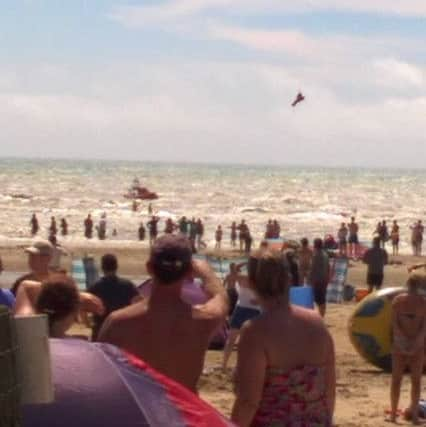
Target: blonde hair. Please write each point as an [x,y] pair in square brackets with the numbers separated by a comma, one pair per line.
[268,274]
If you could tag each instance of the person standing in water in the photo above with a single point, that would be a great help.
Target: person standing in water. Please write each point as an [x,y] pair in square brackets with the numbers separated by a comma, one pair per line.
[64,227]
[353,238]
[88,227]
[234,234]
[395,238]
[153,229]
[102,227]
[218,237]
[342,236]
[34,225]
[53,229]
[141,232]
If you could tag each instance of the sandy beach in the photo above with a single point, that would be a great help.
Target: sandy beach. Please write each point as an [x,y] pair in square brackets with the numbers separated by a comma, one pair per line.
[362,394]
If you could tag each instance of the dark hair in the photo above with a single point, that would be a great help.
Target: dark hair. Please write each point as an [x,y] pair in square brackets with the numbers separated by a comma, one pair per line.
[109,263]
[268,273]
[304,241]
[58,298]
[376,242]
[171,258]
[318,243]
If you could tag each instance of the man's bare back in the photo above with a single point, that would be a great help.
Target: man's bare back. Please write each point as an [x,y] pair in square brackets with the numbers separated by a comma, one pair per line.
[167,333]
[167,338]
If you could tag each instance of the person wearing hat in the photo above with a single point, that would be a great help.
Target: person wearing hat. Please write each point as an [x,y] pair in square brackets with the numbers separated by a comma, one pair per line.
[39,257]
[169,334]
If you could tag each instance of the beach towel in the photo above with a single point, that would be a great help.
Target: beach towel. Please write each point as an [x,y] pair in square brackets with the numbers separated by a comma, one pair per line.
[335,288]
[78,273]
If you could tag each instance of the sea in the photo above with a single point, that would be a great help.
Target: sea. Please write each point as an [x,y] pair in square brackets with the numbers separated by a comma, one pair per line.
[307,201]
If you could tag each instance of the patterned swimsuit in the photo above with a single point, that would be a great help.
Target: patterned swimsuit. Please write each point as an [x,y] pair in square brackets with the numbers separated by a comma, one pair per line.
[295,398]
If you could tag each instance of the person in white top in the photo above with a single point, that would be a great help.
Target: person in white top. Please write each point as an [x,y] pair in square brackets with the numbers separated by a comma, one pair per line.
[246,308]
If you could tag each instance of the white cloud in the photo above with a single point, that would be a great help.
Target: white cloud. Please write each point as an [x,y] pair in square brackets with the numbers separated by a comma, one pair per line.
[399,75]
[213,112]
[174,10]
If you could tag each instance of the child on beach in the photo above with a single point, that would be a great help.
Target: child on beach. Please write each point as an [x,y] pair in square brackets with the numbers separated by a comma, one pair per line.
[408,333]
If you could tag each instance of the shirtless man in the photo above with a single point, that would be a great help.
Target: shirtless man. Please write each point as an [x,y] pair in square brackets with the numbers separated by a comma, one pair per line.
[353,238]
[409,332]
[169,334]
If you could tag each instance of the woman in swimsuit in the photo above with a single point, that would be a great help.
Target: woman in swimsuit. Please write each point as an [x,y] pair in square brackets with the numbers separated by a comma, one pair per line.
[285,372]
[408,333]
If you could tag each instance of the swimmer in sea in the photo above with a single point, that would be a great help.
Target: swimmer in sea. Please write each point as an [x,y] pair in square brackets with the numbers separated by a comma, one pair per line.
[408,346]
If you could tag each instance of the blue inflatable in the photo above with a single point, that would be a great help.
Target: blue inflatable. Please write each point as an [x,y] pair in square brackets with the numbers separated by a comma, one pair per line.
[302,296]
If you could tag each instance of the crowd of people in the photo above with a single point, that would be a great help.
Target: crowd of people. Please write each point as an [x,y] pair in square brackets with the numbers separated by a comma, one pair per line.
[253,299]
[347,239]
[149,327]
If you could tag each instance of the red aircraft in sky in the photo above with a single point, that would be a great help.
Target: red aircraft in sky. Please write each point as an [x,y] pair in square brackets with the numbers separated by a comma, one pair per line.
[299,98]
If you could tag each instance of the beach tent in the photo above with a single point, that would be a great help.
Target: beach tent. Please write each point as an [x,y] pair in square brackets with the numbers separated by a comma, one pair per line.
[99,385]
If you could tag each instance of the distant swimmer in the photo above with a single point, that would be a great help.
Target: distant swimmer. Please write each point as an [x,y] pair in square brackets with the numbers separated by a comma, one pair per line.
[135,206]
[88,227]
[34,225]
[299,98]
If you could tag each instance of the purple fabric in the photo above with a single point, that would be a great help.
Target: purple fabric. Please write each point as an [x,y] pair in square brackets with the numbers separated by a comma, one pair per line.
[95,386]
[7,298]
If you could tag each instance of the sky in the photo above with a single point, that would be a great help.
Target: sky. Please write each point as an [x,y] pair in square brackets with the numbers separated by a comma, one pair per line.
[212,81]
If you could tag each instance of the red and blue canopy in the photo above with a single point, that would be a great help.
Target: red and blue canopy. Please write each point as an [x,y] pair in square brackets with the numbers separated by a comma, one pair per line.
[99,385]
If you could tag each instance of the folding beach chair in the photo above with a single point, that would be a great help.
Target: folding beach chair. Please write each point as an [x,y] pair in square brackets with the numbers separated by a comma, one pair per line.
[335,288]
